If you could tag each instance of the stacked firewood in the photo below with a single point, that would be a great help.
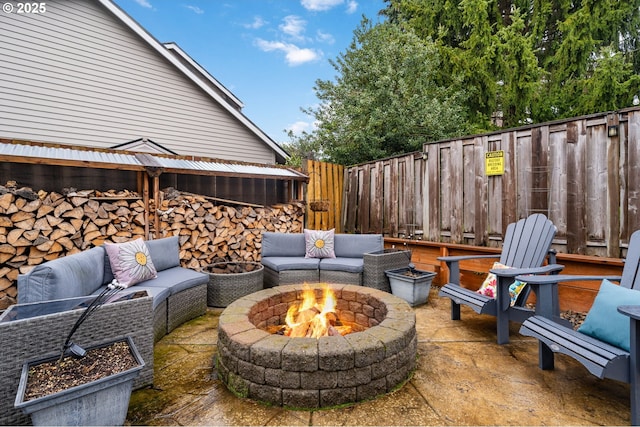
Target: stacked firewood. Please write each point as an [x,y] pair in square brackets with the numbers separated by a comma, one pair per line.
[36,227]
[210,232]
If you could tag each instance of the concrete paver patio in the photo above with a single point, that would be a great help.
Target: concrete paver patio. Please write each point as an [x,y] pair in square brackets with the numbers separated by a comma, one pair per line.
[462,378]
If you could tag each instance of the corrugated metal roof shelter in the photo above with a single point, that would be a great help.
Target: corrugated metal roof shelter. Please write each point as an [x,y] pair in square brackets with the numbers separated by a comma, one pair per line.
[96,168]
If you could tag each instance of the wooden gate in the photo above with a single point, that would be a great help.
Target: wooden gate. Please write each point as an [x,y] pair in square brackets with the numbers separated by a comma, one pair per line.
[324,195]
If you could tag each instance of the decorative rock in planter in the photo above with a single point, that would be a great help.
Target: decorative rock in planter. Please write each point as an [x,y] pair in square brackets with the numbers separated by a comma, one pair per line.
[410,284]
[100,402]
[229,281]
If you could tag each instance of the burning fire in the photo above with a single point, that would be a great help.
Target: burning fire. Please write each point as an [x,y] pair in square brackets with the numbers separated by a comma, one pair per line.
[313,319]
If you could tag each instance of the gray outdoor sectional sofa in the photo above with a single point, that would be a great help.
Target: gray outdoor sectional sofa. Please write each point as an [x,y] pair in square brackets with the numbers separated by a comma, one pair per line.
[179,294]
[360,259]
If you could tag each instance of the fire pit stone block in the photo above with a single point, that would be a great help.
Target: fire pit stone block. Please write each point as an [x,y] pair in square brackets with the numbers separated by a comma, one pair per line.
[337,396]
[335,354]
[301,398]
[300,354]
[283,379]
[367,349]
[268,352]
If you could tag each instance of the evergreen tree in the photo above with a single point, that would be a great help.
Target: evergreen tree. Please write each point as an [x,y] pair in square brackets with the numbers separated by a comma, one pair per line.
[533,60]
[389,97]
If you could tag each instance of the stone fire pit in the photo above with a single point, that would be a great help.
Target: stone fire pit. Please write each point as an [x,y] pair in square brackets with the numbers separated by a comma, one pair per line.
[310,372]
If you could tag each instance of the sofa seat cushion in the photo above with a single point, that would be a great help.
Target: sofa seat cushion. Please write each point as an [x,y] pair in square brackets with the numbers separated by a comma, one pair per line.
[283,263]
[71,276]
[350,265]
[177,279]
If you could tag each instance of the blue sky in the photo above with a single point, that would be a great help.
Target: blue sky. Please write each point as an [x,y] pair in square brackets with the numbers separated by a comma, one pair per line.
[269,53]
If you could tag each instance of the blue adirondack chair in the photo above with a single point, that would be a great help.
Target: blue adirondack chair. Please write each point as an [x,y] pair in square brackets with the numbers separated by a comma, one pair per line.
[526,245]
[599,357]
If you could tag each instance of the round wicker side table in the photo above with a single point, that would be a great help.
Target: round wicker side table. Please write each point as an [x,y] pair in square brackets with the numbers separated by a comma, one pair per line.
[226,287]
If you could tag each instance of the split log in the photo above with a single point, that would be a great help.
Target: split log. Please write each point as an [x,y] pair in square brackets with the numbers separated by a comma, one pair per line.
[6,200]
[61,208]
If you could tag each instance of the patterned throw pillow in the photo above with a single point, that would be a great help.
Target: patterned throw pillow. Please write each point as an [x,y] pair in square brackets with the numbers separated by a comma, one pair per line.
[488,287]
[319,243]
[515,289]
[130,262]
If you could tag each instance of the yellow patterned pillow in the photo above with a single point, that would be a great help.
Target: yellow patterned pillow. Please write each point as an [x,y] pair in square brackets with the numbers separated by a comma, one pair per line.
[319,243]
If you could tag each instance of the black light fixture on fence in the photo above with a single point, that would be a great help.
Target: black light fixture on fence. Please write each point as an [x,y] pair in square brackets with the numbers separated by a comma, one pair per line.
[612,130]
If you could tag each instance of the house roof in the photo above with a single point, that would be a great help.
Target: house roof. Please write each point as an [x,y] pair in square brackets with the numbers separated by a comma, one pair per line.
[196,75]
[145,145]
[67,155]
[226,93]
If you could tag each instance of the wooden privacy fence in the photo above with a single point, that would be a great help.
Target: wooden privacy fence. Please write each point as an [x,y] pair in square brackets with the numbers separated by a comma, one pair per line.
[583,173]
[324,195]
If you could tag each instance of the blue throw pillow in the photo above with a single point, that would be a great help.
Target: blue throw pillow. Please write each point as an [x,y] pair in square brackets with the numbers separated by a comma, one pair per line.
[603,320]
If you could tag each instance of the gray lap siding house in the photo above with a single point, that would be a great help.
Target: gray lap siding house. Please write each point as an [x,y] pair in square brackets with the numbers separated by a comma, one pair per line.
[85,73]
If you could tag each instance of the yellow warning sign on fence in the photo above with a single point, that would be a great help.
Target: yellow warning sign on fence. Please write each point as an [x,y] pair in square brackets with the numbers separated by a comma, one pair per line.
[494,163]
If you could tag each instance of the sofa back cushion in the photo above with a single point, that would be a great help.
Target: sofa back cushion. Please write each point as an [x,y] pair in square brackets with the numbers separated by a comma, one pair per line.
[71,276]
[356,245]
[165,252]
[282,244]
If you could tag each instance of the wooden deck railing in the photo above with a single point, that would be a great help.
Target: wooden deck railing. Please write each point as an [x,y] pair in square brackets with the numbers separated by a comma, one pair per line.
[576,296]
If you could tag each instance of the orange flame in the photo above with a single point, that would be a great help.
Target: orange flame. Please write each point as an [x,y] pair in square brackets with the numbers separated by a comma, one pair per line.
[311,318]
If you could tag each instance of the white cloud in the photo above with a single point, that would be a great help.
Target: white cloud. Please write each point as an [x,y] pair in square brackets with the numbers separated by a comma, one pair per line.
[195,9]
[293,26]
[294,55]
[298,127]
[144,3]
[257,23]
[325,37]
[320,5]
[352,6]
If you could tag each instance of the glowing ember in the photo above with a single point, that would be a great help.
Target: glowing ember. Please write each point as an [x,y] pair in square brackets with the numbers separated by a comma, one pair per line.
[314,319]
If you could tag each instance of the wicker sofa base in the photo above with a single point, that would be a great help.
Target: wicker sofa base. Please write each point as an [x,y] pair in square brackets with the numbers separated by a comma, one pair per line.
[43,335]
[289,277]
[376,263]
[186,305]
[344,277]
[160,321]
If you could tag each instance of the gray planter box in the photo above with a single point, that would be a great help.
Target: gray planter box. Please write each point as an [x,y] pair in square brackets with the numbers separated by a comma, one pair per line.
[101,402]
[414,290]
[35,330]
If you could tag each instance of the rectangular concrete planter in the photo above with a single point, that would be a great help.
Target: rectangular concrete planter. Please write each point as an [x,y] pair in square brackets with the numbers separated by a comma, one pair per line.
[101,402]
[413,289]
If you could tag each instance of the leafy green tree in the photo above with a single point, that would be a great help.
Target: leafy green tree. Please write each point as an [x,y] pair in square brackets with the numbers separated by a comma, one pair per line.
[301,148]
[389,97]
